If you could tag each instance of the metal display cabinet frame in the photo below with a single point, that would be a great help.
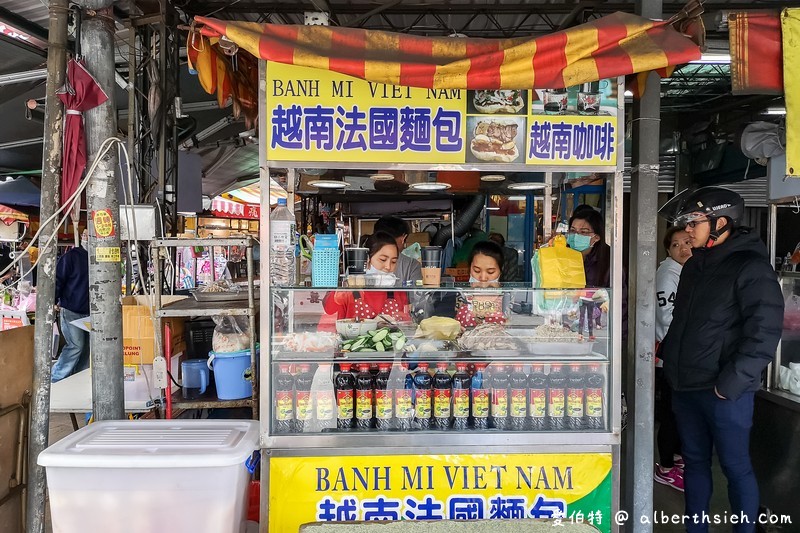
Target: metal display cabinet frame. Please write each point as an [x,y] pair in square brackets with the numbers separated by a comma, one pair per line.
[339,444]
[189,308]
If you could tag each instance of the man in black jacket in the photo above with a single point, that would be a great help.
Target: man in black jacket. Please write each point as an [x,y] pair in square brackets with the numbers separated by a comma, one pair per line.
[726,326]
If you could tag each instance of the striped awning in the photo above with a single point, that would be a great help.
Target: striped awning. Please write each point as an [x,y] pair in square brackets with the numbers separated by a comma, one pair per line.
[8,216]
[616,45]
[229,209]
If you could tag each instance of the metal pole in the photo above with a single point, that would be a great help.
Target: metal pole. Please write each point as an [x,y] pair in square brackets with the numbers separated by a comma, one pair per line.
[641,308]
[46,266]
[105,282]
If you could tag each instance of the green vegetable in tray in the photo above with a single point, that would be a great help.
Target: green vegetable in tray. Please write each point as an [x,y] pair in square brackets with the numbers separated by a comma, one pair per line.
[380,340]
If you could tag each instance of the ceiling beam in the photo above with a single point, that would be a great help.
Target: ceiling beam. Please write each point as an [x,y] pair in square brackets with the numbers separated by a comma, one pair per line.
[522,8]
[20,28]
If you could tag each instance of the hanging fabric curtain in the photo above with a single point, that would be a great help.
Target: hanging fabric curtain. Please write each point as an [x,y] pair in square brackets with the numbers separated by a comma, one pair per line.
[80,93]
[790,30]
[755,44]
[616,45]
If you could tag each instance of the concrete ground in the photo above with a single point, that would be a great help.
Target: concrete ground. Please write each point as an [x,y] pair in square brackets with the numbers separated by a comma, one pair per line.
[665,499]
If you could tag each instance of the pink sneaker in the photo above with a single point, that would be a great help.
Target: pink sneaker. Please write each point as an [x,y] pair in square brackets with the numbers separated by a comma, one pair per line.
[678,461]
[672,477]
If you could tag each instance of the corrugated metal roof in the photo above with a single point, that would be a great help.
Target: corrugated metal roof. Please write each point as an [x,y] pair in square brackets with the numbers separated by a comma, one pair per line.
[35,11]
[753,191]
[666,174]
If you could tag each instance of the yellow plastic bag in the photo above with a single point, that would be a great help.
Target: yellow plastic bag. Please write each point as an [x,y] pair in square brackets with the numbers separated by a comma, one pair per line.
[560,267]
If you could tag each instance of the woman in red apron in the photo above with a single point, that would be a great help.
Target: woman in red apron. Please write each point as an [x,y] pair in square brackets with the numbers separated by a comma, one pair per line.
[363,305]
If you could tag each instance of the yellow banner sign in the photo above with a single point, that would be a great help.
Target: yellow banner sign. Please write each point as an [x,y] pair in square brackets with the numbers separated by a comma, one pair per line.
[574,487]
[316,115]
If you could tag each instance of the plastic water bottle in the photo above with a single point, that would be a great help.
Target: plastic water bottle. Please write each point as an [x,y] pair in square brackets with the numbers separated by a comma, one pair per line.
[282,244]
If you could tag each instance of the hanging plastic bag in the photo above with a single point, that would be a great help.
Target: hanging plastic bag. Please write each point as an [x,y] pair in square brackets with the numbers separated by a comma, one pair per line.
[559,267]
[231,334]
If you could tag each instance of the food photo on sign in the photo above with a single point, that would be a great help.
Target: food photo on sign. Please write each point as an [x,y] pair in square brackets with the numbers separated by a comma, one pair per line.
[499,102]
[495,139]
[589,99]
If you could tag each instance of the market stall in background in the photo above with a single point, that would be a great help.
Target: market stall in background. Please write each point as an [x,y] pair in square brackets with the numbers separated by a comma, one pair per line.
[414,417]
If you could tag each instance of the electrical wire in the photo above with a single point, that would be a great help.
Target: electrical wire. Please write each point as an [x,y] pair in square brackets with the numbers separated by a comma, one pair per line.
[68,206]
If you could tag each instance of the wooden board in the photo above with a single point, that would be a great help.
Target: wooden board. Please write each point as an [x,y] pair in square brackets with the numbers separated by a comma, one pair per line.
[16,377]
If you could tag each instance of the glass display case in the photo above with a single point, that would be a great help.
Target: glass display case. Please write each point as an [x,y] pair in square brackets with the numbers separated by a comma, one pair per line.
[786,369]
[457,359]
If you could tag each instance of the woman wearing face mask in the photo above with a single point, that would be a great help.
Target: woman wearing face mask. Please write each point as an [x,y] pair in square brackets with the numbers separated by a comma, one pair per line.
[359,305]
[587,235]
[485,269]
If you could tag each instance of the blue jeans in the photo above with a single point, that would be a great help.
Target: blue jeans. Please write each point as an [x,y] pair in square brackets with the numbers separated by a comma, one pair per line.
[75,354]
[704,422]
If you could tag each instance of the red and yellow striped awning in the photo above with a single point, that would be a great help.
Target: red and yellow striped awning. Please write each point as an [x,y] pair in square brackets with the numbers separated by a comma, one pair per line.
[616,45]
[8,216]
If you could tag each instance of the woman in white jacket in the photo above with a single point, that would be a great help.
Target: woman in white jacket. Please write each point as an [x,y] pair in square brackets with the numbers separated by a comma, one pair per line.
[669,469]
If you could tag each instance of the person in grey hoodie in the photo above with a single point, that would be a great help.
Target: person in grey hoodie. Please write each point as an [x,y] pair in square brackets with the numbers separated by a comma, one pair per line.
[669,468]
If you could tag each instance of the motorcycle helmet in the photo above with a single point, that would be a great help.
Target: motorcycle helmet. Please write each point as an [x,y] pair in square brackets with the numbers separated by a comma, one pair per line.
[710,202]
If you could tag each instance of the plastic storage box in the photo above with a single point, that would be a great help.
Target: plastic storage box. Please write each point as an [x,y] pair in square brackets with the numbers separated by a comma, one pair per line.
[181,476]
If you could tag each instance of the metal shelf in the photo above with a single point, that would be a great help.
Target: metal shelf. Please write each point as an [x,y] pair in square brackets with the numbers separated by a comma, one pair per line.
[208,403]
[205,242]
[190,307]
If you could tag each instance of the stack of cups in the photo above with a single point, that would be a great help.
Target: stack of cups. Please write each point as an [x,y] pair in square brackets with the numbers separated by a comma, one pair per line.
[431,266]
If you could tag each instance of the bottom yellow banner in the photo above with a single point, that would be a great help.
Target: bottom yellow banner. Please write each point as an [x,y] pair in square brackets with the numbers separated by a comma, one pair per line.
[575,487]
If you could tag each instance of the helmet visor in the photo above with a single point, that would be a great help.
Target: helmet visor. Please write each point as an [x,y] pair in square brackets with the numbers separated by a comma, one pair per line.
[672,209]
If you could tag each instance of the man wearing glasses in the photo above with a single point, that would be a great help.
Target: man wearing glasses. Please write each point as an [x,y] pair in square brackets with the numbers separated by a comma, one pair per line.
[726,326]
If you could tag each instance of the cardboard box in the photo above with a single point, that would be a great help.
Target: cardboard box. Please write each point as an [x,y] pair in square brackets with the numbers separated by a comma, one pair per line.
[460,274]
[137,330]
[422,237]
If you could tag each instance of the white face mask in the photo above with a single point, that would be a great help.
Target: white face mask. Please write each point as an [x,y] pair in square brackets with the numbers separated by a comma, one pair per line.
[473,279]
[375,271]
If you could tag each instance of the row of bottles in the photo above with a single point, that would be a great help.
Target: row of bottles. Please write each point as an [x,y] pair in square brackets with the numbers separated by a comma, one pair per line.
[397,399]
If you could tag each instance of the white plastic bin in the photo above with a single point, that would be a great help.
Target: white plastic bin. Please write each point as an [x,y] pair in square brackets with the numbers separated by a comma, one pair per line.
[181,476]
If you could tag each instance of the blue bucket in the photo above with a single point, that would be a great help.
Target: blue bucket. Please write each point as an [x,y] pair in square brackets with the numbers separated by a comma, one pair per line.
[231,373]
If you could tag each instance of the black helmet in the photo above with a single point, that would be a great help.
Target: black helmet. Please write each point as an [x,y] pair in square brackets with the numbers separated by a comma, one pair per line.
[713,202]
[710,202]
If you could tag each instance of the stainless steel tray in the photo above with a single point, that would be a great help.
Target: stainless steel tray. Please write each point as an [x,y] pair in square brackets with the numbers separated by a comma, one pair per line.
[221,296]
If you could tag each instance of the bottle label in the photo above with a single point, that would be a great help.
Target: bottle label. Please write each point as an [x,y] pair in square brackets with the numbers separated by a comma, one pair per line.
[404,407]
[324,405]
[461,403]
[284,405]
[364,404]
[383,404]
[594,403]
[344,402]
[423,404]
[480,403]
[441,403]
[303,399]
[282,234]
[575,403]
[555,407]
[519,403]
[538,403]
[499,403]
